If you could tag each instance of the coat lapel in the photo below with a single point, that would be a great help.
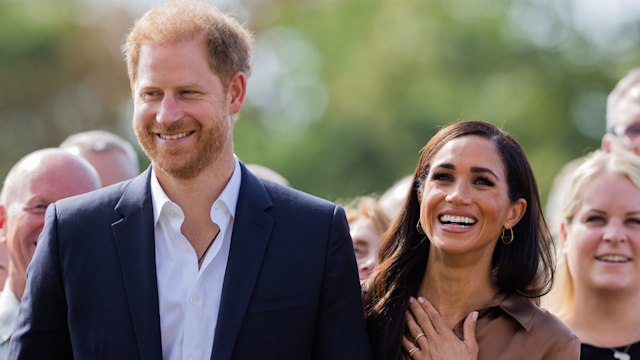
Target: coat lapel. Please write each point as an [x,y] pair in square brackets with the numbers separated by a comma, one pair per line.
[251,232]
[134,239]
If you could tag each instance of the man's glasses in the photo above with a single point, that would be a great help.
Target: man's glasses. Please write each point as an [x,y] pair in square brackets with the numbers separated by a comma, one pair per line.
[630,131]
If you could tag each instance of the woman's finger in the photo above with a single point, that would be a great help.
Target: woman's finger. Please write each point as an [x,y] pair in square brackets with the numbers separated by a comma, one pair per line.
[421,317]
[469,332]
[413,350]
[434,316]
[418,335]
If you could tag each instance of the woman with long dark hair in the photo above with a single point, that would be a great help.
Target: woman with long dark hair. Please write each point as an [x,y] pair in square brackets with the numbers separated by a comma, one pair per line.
[464,263]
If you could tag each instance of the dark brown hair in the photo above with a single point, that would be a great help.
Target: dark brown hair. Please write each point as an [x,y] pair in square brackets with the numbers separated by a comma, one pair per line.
[525,266]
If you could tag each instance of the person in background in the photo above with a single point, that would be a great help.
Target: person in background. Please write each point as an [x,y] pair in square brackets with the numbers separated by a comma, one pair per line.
[112,156]
[367,224]
[392,200]
[553,212]
[196,258]
[623,115]
[4,263]
[597,291]
[623,132]
[463,265]
[35,181]
[266,173]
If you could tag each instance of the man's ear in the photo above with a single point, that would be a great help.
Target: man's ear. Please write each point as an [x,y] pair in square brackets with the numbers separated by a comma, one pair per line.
[607,142]
[3,224]
[236,92]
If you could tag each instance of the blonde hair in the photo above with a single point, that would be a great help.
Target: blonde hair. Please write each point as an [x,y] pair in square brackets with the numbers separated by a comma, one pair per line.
[229,44]
[561,299]
[367,207]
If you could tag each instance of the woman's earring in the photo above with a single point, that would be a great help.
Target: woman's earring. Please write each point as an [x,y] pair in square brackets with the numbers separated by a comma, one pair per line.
[507,239]
[419,228]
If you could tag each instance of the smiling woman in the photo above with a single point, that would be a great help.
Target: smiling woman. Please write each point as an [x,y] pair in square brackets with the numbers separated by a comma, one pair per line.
[463,265]
[598,288]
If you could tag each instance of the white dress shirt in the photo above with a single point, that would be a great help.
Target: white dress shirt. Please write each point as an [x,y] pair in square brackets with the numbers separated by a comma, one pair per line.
[189,297]
[9,305]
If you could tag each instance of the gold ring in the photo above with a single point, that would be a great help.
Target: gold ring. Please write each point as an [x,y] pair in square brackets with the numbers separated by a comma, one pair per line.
[413,351]
[418,337]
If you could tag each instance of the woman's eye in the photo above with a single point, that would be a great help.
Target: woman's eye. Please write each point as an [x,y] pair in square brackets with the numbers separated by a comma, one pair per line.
[483,181]
[595,219]
[633,221]
[441,177]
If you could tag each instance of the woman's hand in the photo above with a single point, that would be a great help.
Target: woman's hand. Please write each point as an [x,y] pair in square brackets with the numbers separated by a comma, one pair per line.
[432,338]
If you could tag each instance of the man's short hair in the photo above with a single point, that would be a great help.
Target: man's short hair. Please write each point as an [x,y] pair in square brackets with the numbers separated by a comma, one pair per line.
[622,89]
[229,44]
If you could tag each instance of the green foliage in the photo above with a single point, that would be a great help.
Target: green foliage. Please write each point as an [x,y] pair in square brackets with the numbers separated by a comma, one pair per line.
[393,71]
[57,77]
[398,70]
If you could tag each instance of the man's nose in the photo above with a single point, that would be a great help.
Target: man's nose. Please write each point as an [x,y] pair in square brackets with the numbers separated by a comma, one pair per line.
[169,111]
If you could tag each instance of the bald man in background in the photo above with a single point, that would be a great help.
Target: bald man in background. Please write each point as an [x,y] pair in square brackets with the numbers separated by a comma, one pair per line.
[623,115]
[113,157]
[623,133]
[4,263]
[37,180]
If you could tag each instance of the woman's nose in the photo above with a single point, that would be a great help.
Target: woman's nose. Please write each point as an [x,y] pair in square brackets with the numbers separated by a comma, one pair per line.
[615,233]
[367,264]
[458,195]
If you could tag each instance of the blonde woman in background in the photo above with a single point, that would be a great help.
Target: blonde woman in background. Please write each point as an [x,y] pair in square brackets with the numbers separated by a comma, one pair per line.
[367,223]
[597,291]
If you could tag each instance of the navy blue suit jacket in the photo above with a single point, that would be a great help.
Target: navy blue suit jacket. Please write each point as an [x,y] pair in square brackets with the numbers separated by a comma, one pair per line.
[290,291]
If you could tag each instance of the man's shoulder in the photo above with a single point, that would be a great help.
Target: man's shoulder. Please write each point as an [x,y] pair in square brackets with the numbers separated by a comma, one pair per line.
[103,200]
[90,199]
[286,196]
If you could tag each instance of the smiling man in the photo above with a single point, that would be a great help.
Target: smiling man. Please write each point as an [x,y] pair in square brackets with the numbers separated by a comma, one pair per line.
[196,258]
[623,115]
[33,183]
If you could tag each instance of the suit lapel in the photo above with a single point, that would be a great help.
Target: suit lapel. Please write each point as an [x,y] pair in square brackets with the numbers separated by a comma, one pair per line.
[251,232]
[134,239]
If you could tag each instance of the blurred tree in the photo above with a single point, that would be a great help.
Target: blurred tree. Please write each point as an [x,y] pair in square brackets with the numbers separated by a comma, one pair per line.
[57,76]
[396,71]
[344,94]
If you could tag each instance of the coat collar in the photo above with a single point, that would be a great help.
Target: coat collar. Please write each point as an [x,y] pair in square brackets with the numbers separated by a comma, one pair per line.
[134,240]
[251,233]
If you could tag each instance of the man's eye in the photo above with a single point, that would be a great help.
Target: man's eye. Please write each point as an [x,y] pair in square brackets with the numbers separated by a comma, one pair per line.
[632,130]
[146,95]
[189,92]
[38,208]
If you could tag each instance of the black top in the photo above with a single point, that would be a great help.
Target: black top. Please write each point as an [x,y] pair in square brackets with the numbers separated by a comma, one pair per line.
[590,352]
